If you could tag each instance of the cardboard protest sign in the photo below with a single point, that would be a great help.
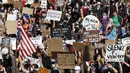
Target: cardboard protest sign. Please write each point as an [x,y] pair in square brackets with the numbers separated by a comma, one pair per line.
[43,4]
[60,2]
[88,53]
[91,36]
[54,15]
[17,4]
[126,41]
[64,32]
[91,22]
[27,11]
[35,5]
[43,70]
[115,53]
[109,42]
[11,27]
[54,44]
[11,17]
[78,46]
[66,61]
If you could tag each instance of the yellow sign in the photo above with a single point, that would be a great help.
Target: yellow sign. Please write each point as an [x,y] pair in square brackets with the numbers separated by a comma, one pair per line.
[43,70]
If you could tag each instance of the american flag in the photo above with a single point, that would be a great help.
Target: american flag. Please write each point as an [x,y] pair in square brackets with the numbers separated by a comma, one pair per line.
[25,47]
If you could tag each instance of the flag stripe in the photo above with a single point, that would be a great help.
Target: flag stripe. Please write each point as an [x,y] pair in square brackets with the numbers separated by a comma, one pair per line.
[25,42]
[28,40]
[21,54]
[26,47]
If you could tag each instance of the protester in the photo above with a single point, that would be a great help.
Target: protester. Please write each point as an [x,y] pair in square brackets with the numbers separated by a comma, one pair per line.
[46,30]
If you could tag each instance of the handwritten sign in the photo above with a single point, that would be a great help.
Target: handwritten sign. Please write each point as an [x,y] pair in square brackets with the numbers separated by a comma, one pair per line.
[91,22]
[126,41]
[61,32]
[43,70]
[91,36]
[54,15]
[60,2]
[17,4]
[43,4]
[37,41]
[115,53]
[66,61]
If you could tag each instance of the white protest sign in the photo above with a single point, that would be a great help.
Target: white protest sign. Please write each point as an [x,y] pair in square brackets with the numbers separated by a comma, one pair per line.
[60,2]
[115,53]
[43,4]
[5,1]
[91,22]
[37,41]
[30,1]
[54,15]
[126,41]
[11,17]
[35,61]
[13,43]
[69,42]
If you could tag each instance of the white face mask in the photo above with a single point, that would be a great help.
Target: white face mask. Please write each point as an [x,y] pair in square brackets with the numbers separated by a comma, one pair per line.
[77,5]
[31,69]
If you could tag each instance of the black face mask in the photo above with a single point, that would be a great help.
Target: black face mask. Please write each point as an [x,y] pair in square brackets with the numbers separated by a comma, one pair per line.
[64,22]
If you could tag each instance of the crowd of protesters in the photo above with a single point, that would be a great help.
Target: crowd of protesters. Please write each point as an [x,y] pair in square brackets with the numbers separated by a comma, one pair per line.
[111,15]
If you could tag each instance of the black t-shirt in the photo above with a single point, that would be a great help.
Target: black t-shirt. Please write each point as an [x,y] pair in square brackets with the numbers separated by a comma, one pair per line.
[46,61]
[76,15]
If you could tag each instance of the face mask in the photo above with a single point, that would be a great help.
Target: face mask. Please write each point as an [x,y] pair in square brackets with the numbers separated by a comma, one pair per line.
[77,5]
[31,69]
[98,7]
[104,17]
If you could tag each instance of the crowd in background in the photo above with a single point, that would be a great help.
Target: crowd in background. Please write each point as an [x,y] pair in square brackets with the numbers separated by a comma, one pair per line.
[111,15]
